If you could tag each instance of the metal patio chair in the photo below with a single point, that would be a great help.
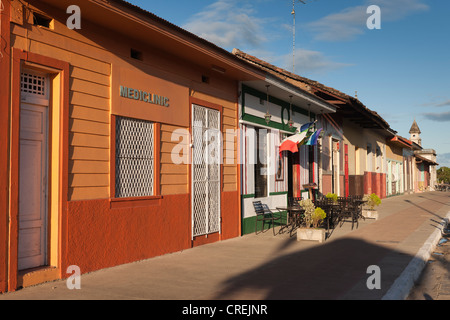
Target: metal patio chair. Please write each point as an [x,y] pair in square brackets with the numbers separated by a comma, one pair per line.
[347,210]
[263,213]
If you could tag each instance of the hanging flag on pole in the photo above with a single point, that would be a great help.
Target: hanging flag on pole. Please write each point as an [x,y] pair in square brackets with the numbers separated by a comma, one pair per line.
[291,143]
[307,126]
[312,141]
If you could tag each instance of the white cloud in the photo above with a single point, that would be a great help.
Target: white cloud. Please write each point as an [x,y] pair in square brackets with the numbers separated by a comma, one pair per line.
[235,24]
[309,61]
[351,22]
[341,26]
[228,23]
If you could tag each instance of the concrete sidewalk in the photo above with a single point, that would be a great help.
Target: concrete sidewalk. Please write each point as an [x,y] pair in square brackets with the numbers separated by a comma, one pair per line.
[267,267]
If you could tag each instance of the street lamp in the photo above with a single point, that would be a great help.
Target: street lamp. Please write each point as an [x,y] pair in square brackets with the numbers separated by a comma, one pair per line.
[291,122]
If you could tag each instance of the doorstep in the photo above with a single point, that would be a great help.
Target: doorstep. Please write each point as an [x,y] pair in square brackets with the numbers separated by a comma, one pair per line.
[31,277]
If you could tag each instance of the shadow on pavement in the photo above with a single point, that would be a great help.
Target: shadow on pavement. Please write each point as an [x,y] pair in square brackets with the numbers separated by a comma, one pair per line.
[440,194]
[334,270]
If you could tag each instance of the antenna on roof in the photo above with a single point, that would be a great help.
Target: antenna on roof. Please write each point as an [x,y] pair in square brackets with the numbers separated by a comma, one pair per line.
[293,32]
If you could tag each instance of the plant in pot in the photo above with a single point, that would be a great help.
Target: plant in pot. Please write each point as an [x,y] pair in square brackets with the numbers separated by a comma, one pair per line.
[332,196]
[317,217]
[372,201]
[313,217]
[309,208]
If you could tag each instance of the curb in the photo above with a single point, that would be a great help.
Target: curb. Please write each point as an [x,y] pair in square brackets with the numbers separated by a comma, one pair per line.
[405,282]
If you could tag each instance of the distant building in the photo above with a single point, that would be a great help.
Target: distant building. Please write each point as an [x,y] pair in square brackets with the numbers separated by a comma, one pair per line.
[415,133]
[425,162]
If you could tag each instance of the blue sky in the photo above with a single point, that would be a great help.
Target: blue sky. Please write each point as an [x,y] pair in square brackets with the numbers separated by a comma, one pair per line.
[401,71]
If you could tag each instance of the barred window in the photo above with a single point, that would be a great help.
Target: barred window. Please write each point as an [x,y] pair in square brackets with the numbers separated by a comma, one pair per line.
[134,158]
[32,84]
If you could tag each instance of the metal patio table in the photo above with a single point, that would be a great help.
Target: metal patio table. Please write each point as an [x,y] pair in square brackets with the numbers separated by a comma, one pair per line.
[294,217]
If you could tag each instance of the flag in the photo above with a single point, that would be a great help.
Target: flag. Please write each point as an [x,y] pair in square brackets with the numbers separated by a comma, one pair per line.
[312,141]
[306,126]
[291,143]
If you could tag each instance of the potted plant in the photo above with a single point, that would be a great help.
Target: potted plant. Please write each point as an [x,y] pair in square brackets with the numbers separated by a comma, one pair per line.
[332,196]
[313,217]
[317,217]
[372,201]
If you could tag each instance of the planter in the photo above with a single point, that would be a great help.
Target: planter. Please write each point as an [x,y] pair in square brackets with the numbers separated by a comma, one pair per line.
[370,214]
[311,234]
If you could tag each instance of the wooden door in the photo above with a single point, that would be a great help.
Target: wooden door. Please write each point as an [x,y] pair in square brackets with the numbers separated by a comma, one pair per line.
[33,185]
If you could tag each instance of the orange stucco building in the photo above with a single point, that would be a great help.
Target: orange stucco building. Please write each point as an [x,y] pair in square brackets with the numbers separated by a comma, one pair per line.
[90,119]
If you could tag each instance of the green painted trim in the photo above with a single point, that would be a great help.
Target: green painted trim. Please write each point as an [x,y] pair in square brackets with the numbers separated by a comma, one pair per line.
[246,196]
[278,193]
[283,105]
[271,124]
[248,224]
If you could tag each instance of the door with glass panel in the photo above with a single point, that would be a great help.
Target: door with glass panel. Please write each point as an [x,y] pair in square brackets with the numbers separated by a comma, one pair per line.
[205,164]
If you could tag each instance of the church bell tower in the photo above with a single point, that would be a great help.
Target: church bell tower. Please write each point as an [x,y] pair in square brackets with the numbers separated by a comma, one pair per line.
[415,133]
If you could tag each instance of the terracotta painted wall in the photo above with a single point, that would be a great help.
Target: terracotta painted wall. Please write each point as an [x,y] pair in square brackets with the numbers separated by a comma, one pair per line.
[383,186]
[368,183]
[327,183]
[375,183]
[121,235]
[230,215]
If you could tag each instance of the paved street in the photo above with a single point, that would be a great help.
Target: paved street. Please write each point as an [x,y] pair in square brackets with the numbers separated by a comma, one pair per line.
[267,267]
[434,282]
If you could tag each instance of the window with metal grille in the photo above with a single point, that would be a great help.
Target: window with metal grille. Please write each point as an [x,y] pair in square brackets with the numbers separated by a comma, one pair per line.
[32,84]
[134,158]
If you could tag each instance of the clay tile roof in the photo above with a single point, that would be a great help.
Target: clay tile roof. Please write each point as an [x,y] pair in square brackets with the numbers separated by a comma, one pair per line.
[284,73]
